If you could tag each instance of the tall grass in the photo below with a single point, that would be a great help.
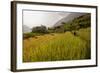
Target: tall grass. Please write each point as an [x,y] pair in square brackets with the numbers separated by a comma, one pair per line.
[85,34]
[56,47]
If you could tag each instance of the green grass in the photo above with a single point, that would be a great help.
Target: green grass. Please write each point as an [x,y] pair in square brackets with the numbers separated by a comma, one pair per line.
[57,46]
[28,35]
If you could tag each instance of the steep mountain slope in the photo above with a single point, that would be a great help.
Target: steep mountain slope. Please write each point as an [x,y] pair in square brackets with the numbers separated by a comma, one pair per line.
[82,21]
[70,17]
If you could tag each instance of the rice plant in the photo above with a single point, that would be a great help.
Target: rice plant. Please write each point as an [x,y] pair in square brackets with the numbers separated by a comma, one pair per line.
[57,47]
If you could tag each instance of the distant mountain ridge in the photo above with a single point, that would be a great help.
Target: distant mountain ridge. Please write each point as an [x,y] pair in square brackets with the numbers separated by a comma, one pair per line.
[68,18]
[26,29]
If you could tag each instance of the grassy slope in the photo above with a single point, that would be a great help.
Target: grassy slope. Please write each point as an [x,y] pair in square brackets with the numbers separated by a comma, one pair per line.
[61,46]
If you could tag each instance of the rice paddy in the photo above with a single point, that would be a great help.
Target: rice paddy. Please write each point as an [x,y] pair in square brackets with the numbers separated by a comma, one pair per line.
[57,46]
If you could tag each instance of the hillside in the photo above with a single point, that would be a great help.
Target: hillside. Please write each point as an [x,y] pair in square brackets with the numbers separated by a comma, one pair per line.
[70,17]
[82,21]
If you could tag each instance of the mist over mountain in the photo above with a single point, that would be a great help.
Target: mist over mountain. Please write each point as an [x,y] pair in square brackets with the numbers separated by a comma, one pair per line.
[70,17]
[65,19]
[26,29]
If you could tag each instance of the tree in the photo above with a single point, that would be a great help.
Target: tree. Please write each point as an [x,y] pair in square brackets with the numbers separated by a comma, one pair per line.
[40,29]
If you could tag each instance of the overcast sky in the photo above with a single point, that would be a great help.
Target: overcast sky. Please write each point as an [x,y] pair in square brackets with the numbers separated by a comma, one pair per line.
[38,18]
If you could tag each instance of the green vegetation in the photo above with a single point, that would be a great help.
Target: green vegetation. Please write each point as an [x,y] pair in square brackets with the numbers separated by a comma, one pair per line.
[62,46]
[74,25]
[29,35]
[69,41]
[40,29]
